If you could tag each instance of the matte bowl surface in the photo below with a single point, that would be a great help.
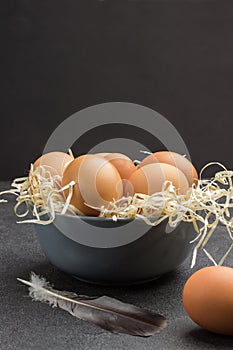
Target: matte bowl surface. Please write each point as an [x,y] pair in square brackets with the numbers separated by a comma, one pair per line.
[102,251]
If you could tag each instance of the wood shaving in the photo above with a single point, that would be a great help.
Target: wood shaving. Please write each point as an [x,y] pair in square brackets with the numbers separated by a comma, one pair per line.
[205,205]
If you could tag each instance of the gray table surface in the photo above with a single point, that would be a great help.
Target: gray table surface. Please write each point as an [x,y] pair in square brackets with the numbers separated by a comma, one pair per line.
[33,325]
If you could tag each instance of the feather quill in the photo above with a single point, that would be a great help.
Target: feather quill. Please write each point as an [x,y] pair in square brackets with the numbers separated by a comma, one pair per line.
[105,312]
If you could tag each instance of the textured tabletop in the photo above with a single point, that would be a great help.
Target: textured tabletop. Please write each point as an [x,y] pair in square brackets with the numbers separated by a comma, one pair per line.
[33,325]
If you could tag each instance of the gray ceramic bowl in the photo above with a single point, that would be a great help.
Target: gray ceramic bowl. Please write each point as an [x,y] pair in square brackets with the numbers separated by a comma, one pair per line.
[102,251]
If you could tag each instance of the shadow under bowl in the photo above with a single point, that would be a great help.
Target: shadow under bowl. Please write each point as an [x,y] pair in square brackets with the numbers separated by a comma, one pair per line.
[101,251]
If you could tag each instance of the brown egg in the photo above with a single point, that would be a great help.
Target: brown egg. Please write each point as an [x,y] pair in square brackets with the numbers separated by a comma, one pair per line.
[208,299]
[176,160]
[150,178]
[97,183]
[122,163]
[54,162]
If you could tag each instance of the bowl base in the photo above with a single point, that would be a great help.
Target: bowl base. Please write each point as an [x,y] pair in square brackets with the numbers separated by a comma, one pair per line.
[117,283]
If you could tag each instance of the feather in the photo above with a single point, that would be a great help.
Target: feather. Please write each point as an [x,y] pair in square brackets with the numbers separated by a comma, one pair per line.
[105,312]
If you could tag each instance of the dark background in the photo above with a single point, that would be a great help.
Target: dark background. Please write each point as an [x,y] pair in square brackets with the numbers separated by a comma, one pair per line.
[58,57]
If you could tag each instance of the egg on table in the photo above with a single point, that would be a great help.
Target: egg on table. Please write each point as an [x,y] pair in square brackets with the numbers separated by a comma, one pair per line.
[150,178]
[97,182]
[208,299]
[174,159]
[53,162]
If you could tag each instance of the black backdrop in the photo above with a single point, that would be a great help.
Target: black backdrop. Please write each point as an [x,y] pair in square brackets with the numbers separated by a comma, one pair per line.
[58,57]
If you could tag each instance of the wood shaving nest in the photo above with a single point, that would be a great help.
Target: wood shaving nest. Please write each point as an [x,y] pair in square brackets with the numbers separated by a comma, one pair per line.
[205,206]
